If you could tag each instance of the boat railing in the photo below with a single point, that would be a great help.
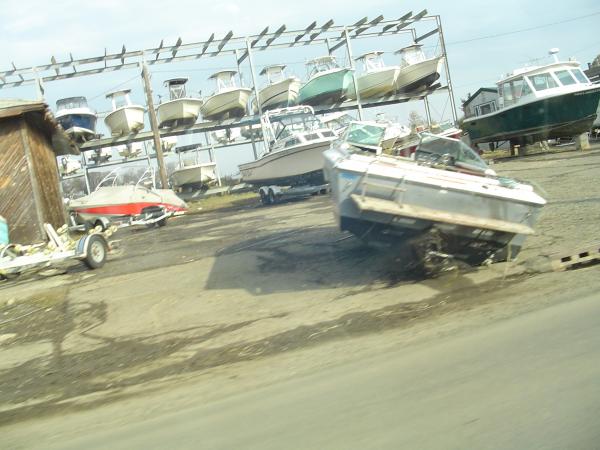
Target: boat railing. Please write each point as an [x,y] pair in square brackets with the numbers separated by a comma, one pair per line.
[148,175]
[111,178]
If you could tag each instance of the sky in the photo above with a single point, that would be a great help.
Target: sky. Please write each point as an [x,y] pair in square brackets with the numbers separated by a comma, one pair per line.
[34,30]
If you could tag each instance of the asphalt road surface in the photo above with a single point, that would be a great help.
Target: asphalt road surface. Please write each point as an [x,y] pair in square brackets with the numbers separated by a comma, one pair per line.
[528,382]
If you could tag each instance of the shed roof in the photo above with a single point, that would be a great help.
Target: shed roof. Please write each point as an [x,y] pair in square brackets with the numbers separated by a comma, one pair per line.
[43,118]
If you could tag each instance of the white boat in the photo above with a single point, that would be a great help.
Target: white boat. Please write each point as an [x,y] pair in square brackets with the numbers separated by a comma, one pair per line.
[377,79]
[443,203]
[125,118]
[337,121]
[281,90]
[229,100]
[180,109]
[76,118]
[327,83]
[113,201]
[417,72]
[296,139]
[69,165]
[395,133]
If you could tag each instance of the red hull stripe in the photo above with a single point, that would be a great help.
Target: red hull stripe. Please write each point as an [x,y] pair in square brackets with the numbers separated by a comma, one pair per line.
[126,209]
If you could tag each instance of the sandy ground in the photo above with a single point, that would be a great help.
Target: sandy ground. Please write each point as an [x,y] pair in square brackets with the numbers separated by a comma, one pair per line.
[230,299]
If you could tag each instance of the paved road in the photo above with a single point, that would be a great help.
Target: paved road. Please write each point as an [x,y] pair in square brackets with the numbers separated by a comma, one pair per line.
[530,382]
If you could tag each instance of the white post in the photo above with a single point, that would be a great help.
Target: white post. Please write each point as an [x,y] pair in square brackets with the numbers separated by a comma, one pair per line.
[349,50]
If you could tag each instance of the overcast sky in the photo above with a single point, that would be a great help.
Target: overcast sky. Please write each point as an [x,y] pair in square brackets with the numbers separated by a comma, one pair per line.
[34,30]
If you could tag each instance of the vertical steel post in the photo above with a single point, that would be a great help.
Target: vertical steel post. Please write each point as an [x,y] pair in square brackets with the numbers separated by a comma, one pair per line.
[85,173]
[154,124]
[211,156]
[254,83]
[427,111]
[357,94]
[448,79]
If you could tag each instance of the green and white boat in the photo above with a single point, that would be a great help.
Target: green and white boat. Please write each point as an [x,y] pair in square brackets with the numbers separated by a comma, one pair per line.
[328,83]
[537,103]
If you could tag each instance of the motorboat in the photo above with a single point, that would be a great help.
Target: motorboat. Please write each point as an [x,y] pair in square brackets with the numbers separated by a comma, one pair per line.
[405,144]
[337,121]
[194,173]
[417,71]
[281,90]
[444,202]
[181,109]
[295,139]
[116,202]
[228,100]
[395,133]
[125,118]
[76,118]
[536,103]
[328,83]
[377,79]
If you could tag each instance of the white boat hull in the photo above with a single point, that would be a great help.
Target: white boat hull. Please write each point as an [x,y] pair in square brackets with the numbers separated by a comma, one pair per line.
[125,120]
[204,173]
[284,166]
[183,111]
[227,104]
[280,94]
[420,75]
[378,83]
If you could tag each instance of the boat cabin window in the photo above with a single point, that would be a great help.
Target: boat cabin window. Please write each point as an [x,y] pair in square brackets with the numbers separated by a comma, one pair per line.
[373,62]
[411,55]
[565,77]
[177,91]
[225,81]
[580,76]
[275,74]
[297,123]
[365,136]
[321,66]
[434,149]
[542,81]
[71,103]
[513,90]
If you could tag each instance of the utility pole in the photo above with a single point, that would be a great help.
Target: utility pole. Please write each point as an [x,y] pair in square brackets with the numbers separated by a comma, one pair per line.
[154,125]
[357,94]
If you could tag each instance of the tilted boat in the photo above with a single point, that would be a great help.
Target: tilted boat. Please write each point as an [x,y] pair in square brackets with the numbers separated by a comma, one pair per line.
[327,83]
[377,79]
[417,72]
[281,90]
[445,201]
[76,118]
[228,100]
[296,140]
[180,109]
[113,201]
[125,118]
[193,173]
[538,103]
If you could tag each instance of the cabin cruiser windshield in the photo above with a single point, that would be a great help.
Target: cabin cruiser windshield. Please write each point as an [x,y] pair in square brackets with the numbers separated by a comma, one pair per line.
[434,149]
[297,123]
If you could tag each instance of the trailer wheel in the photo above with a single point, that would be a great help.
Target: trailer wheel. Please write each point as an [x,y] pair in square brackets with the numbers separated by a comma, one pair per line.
[272,198]
[96,251]
[263,197]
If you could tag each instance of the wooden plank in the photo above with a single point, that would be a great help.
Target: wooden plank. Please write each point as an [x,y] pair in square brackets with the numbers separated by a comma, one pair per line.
[581,257]
[418,212]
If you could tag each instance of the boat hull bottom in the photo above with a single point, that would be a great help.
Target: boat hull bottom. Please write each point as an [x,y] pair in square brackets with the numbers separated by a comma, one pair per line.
[314,178]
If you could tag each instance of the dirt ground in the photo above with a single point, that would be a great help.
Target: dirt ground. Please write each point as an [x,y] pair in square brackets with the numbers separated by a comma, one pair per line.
[224,289]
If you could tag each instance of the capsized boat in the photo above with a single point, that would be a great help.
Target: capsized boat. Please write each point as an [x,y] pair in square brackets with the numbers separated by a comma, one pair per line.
[193,173]
[76,118]
[417,72]
[377,79]
[281,90]
[180,109]
[296,139]
[113,201]
[537,103]
[445,202]
[125,118]
[229,100]
[327,83]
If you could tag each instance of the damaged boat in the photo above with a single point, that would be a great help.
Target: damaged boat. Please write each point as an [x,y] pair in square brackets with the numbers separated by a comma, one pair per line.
[444,202]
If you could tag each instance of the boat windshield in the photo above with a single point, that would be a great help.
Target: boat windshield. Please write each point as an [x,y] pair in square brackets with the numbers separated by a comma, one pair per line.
[373,62]
[365,135]
[292,124]
[542,81]
[275,74]
[225,81]
[433,149]
[71,103]
[411,55]
[321,65]
[580,76]
[565,77]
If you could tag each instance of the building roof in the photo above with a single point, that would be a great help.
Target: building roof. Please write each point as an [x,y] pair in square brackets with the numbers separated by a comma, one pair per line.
[478,91]
[42,117]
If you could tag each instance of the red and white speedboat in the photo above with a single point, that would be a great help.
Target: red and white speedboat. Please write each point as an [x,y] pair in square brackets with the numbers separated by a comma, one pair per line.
[133,201]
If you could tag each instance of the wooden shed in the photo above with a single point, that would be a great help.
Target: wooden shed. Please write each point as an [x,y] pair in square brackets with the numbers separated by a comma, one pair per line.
[30,193]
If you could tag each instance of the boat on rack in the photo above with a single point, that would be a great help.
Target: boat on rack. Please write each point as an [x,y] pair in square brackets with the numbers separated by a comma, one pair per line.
[194,174]
[125,118]
[296,140]
[417,71]
[229,100]
[555,100]
[113,201]
[180,109]
[444,203]
[281,90]
[377,79]
[69,165]
[100,155]
[76,118]
[328,83]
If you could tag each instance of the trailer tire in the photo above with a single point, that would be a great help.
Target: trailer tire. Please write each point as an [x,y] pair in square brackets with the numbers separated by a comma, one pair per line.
[264,199]
[272,197]
[96,251]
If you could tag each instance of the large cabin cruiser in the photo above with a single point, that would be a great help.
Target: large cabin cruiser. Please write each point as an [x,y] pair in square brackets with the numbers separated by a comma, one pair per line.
[76,118]
[296,139]
[537,103]
[444,200]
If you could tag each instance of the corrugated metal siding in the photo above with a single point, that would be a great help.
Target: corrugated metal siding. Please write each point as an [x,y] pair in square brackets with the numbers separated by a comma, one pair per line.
[46,173]
[16,194]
